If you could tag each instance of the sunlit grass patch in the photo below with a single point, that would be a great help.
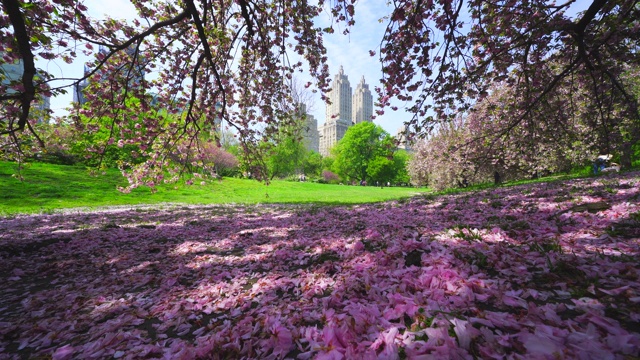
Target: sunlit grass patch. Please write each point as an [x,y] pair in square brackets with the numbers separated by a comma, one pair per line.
[45,188]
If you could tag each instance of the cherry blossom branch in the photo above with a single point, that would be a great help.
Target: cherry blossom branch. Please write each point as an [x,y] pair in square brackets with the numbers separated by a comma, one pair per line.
[29,69]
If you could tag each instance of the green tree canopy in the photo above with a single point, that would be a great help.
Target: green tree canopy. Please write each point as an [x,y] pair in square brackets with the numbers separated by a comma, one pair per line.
[361,144]
[286,157]
[312,164]
[392,169]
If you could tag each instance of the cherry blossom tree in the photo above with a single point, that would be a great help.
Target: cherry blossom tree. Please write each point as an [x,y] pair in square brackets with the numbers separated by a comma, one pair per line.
[239,55]
[486,145]
[440,161]
[552,139]
[443,56]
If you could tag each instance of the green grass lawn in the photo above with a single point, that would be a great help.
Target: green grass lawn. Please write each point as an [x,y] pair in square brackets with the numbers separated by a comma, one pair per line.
[47,187]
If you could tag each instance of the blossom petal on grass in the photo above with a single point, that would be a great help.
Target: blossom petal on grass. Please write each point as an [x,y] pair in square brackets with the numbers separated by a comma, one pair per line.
[454,277]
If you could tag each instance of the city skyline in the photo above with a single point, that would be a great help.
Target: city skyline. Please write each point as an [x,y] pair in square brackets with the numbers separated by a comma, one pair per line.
[11,73]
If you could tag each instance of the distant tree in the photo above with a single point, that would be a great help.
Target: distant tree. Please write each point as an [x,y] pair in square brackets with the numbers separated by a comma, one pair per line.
[381,170]
[361,144]
[327,162]
[228,139]
[401,162]
[312,164]
[286,157]
[437,161]
[286,152]
[389,169]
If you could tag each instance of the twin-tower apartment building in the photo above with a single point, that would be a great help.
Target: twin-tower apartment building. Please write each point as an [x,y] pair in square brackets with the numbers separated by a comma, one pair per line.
[346,109]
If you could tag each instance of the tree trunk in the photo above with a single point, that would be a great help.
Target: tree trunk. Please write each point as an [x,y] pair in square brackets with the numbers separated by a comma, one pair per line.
[626,155]
[626,150]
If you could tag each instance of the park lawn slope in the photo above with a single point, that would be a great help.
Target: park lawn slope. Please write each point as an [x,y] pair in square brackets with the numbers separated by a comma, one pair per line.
[46,187]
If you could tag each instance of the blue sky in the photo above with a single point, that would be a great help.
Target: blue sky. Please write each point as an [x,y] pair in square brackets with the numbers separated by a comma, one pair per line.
[350,51]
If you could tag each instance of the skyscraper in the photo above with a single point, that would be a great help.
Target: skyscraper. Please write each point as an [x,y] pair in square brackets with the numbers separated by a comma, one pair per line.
[10,74]
[78,89]
[340,96]
[403,138]
[345,110]
[310,135]
[362,103]
[338,115]
[135,74]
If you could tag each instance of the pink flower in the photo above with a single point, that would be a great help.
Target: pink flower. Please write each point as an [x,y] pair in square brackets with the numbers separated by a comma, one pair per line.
[385,345]
[372,234]
[332,354]
[463,332]
[514,301]
[283,339]
[63,353]
[358,246]
[334,337]
[541,343]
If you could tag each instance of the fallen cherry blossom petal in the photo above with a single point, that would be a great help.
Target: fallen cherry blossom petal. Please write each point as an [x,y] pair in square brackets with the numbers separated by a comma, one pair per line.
[510,272]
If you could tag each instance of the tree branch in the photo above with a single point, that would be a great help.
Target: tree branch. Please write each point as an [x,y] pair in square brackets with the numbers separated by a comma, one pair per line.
[16,17]
[183,15]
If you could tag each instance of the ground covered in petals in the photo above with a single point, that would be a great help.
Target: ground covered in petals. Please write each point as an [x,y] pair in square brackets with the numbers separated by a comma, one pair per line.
[536,271]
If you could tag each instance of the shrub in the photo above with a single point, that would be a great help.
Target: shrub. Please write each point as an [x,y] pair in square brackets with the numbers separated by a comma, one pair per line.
[329,177]
[206,157]
[59,139]
[224,163]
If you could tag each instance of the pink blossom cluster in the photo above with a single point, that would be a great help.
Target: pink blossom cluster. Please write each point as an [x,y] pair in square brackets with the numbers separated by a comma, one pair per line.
[445,57]
[473,148]
[537,271]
